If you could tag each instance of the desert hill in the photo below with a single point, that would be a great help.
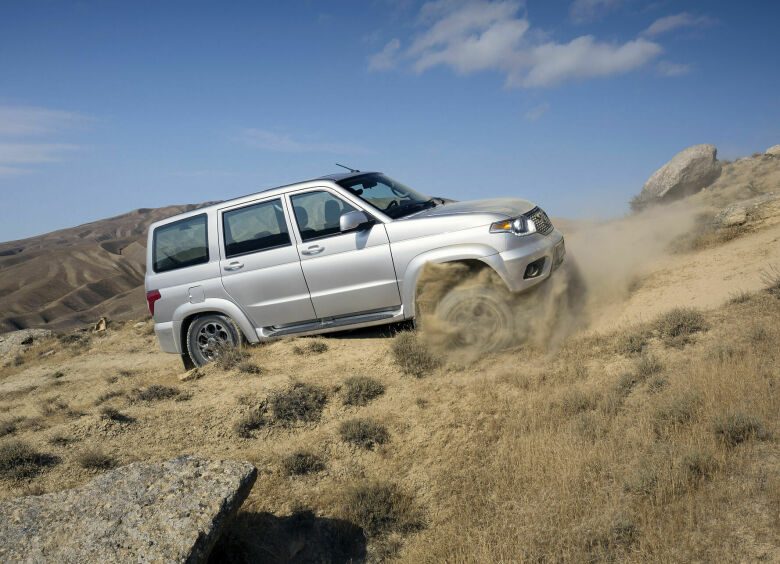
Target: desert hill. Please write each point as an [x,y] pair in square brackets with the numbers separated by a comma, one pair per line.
[73,276]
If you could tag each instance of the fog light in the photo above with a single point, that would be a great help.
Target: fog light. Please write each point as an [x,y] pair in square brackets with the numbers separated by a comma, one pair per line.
[534,269]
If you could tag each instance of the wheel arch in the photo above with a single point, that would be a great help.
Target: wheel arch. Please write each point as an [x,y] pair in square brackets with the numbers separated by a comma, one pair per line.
[186,314]
[475,256]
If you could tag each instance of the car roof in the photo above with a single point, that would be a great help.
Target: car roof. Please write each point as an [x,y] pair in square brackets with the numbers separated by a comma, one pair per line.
[267,192]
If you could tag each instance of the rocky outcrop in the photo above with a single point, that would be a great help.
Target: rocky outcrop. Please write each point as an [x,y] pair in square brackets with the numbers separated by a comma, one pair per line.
[741,212]
[688,172]
[773,151]
[15,341]
[168,512]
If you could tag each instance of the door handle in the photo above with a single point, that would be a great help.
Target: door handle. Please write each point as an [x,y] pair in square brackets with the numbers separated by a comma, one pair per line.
[313,250]
[235,265]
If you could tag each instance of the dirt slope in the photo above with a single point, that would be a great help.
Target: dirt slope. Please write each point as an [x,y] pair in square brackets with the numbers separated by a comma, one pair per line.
[73,276]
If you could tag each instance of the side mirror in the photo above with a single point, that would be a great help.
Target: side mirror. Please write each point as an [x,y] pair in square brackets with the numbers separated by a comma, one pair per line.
[353,220]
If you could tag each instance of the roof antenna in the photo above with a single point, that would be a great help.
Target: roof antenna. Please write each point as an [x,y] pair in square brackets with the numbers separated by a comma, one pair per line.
[349,168]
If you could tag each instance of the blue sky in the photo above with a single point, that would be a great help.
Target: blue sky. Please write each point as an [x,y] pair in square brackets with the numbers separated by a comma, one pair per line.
[109,106]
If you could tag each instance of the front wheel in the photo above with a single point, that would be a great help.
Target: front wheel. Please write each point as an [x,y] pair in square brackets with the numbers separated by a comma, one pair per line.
[210,333]
[478,317]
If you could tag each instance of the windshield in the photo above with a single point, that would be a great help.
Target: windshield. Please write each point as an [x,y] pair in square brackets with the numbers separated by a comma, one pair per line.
[386,194]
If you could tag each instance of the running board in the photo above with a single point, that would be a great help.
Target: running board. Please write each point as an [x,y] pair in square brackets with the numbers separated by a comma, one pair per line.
[331,323]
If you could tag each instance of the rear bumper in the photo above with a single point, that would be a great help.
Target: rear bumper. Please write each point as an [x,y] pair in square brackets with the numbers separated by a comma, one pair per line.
[513,263]
[166,336]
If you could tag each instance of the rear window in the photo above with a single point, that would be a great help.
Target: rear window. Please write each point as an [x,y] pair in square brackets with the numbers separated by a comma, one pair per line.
[255,228]
[180,244]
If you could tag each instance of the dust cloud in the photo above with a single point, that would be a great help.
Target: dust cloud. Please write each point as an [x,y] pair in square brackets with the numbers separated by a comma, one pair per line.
[603,261]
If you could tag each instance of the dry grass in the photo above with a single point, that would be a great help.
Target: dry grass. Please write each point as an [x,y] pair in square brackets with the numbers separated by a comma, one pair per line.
[412,355]
[676,326]
[95,459]
[309,347]
[249,422]
[381,508]
[19,460]
[154,392]
[230,357]
[302,462]
[736,427]
[360,390]
[364,432]
[297,402]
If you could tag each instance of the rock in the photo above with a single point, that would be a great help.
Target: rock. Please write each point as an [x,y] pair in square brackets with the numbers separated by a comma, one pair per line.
[167,512]
[193,374]
[12,343]
[140,325]
[688,172]
[101,325]
[739,213]
[773,151]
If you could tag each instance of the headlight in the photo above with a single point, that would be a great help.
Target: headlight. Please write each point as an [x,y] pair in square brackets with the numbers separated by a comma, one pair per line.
[518,226]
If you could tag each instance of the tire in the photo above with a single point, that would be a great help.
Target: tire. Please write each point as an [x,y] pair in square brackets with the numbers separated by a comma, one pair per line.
[207,333]
[478,318]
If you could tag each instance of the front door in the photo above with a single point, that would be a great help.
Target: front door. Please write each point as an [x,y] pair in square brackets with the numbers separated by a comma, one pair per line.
[260,266]
[346,273]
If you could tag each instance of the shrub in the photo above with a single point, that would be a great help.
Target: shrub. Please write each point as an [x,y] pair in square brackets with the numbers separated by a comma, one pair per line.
[575,401]
[50,406]
[676,411]
[8,427]
[248,367]
[248,422]
[412,355]
[359,390]
[58,374]
[656,383]
[381,508]
[107,396]
[736,427]
[771,278]
[95,459]
[297,402]
[302,462]
[740,297]
[19,460]
[312,347]
[112,414]
[676,326]
[647,365]
[153,393]
[632,342]
[364,432]
[697,465]
[229,357]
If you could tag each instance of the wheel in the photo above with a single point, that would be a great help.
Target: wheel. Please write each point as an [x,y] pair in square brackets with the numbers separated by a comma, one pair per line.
[207,334]
[478,317]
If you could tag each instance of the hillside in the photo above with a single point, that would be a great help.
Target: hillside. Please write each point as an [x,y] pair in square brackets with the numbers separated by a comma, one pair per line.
[641,425]
[73,276]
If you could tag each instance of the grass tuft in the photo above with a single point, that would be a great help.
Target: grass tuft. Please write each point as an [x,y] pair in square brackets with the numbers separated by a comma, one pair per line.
[230,357]
[412,355]
[18,460]
[381,508]
[95,459]
[249,367]
[359,390]
[676,326]
[311,347]
[302,462]
[153,393]
[249,422]
[738,426]
[297,402]
[364,432]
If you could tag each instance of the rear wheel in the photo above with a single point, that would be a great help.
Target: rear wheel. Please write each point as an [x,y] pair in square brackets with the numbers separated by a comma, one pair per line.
[478,317]
[208,334]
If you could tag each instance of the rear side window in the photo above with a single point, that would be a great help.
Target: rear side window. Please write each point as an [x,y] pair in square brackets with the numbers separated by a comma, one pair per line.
[255,228]
[181,243]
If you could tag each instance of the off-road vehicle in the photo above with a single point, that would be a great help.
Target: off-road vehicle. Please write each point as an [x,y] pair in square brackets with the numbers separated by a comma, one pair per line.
[338,252]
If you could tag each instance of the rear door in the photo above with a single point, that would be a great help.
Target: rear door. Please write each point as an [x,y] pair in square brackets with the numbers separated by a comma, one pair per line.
[260,267]
[346,273]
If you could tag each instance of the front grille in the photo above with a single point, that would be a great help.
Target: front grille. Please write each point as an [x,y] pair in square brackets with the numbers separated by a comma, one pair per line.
[543,223]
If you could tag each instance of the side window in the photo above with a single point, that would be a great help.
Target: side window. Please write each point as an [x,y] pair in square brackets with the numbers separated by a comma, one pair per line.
[181,243]
[317,213]
[255,228]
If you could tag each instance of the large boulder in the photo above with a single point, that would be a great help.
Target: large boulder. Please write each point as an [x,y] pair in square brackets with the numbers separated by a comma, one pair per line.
[773,151]
[688,172]
[168,512]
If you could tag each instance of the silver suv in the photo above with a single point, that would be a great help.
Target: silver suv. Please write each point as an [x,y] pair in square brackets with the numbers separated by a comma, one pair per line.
[338,252]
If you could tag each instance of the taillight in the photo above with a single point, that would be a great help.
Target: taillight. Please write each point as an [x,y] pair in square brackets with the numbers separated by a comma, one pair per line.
[152,297]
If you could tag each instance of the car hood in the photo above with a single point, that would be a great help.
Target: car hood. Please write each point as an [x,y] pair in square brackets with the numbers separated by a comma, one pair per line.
[506,207]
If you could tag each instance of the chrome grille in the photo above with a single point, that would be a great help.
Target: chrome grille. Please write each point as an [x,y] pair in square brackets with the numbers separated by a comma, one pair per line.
[543,223]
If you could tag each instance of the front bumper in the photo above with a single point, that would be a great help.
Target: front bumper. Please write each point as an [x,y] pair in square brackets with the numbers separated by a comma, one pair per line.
[544,252]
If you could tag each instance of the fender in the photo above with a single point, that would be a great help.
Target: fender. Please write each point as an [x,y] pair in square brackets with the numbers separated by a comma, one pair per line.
[482,253]
[217,305]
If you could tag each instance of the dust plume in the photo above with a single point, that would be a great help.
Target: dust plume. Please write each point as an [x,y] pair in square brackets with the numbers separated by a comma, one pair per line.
[603,261]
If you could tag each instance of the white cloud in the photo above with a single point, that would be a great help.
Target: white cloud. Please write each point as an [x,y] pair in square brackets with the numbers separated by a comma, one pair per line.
[386,58]
[676,21]
[536,112]
[584,11]
[19,157]
[283,143]
[479,35]
[583,57]
[30,121]
[665,68]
